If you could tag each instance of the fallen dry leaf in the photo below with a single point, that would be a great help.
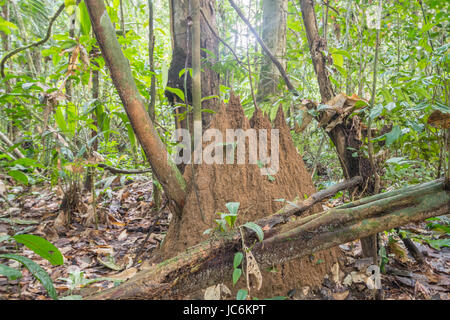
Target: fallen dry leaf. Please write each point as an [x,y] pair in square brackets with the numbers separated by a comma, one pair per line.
[124,275]
[341,295]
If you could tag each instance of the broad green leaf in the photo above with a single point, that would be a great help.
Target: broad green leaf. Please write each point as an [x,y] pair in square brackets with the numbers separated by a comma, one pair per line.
[85,22]
[19,176]
[41,247]
[392,136]
[253,226]
[36,271]
[177,92]
[376,111]
[232,207]
[242,294]
[10,273]
[69,3]
[438,243]
[60,120]
[236,275]
[338,60]
[237,259]
[6,26]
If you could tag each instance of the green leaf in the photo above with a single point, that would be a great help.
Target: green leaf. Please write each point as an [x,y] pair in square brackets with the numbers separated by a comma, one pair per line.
[338,60]
[41,247]
[232,207]
[241,294]
[177,92]
[230,219]
[376,111]
[237,259]
[257,229]
[19,176]
[85,22]
[210,97]
[236,275]
[69,3]
[19,221]
[392,136]
[438,243]
[36,271]
[6,26]
[10,273]
[60,120]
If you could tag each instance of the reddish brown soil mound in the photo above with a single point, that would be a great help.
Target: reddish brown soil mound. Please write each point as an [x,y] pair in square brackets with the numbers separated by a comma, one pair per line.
[219,184]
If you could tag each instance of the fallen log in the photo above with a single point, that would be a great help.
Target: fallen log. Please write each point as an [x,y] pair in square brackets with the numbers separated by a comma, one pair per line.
[211,262]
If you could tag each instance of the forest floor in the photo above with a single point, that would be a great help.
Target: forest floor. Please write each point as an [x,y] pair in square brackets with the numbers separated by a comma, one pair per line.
[103,257]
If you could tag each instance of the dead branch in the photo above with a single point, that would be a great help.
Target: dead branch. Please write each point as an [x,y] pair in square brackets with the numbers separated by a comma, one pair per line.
[8,142]
[121,171]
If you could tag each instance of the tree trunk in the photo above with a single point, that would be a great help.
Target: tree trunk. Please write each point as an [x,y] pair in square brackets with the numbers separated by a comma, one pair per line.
[161,163]
[211,262]
[274,36]
[180,14]
[344,135]
[317,45]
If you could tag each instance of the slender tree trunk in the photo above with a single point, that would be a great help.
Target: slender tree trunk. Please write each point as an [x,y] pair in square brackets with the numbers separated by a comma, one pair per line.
[179,17]
[274,36]
[161,163]
[343,135]
[5,46]
[152,106]
[88,184]
[68,84]
[317,45]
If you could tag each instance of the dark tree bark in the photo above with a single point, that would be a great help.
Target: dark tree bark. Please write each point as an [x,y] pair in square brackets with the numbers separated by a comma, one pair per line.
[180,16]
[344,135]
[317,45]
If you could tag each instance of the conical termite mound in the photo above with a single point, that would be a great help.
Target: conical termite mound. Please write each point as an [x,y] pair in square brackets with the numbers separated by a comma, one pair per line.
[259,196]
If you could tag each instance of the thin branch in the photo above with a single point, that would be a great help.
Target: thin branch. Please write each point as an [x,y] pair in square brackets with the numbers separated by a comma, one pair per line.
[221,40]
[372,102]
[34,44]
[122,171]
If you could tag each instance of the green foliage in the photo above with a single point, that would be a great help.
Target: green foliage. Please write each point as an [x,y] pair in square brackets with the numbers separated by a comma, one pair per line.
[10,273]
[41,247]
[36,271]
[241,294]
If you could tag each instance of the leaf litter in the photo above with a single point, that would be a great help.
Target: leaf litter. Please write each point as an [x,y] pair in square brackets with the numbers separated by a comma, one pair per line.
[103,257]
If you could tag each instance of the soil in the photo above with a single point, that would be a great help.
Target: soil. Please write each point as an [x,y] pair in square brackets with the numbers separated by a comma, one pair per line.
[217,184]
